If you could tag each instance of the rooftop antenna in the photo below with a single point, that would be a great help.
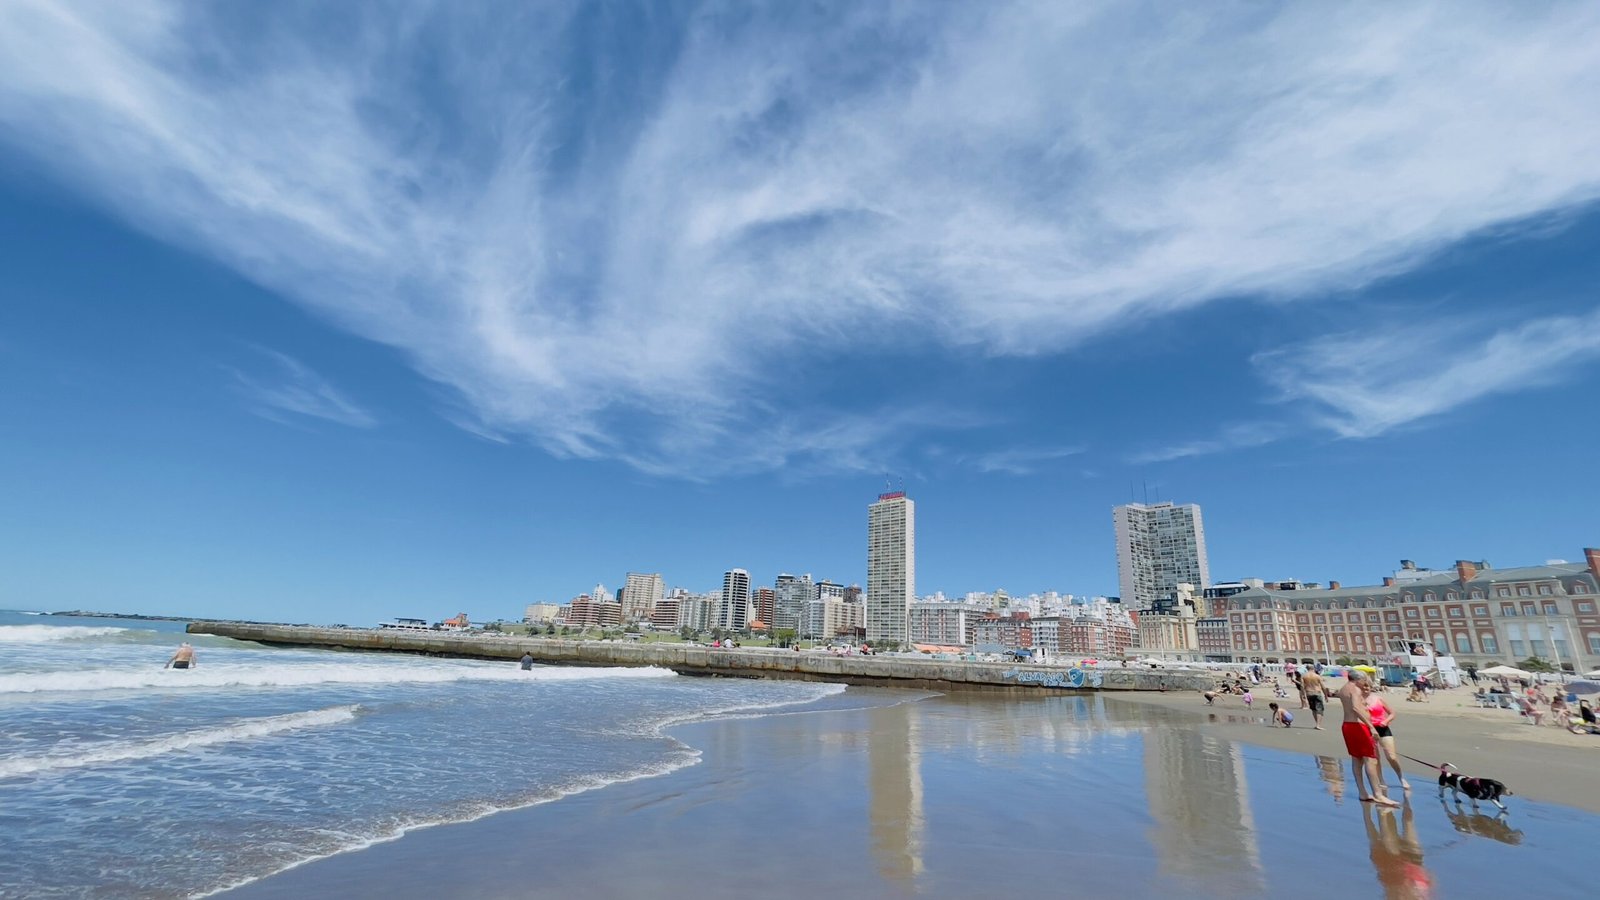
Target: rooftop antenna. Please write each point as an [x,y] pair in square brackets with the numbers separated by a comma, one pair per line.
[1146,486]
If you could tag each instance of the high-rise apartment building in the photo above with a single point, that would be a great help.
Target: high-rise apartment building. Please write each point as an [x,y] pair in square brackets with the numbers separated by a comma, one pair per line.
[1159,546]
[639,595]
[891,566]
[792,592]
[734,613]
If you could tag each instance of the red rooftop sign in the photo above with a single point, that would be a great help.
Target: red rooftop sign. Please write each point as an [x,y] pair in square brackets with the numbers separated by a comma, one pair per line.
[892,496]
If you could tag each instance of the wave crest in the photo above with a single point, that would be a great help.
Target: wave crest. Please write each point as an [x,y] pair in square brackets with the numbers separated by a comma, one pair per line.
[123,751]
[36,634]
[222,677]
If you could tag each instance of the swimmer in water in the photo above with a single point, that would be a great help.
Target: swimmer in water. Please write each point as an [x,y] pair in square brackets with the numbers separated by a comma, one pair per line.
[182,658]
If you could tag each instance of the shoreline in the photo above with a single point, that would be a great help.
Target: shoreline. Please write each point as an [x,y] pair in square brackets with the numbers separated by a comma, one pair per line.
[905,800]
[1540,762]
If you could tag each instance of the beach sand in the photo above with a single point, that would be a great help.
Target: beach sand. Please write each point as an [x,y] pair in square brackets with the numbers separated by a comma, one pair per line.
[1545,762]
[967,796]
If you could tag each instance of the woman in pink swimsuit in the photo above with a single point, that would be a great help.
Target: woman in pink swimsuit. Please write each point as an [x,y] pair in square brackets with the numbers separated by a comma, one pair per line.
[1382,716]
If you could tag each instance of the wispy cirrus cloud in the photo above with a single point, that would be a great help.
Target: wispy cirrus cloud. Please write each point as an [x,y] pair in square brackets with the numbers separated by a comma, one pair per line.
[618,236]
[289,386]
[1237,436]
[1023,460]
[1361,385]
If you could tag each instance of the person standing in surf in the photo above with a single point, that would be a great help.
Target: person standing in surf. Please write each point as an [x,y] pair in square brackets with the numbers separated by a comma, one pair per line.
[1360,743]
[182,658]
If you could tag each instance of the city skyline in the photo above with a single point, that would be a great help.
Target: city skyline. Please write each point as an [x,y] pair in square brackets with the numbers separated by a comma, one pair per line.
[342,318]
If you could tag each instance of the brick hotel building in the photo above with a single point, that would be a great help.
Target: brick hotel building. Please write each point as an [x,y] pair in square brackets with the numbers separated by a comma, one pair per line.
[1480,615]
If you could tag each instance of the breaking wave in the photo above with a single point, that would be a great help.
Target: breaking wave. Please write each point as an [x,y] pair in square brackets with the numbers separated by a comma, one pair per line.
[123,751]
[299,676]
[34,634]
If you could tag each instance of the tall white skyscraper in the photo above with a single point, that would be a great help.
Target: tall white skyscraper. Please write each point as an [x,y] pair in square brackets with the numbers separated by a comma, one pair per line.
[639,595]
[891,566]
[734,613]
[1159,546]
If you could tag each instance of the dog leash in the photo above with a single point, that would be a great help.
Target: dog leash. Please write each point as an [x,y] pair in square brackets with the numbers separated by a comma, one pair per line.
[1423,761]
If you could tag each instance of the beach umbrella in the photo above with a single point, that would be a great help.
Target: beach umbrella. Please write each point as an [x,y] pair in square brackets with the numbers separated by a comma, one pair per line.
[1507,671]
[1579,688]
[1592,676]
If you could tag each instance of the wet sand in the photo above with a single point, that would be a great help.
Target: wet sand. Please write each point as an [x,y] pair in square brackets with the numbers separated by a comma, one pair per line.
[1544,763]
[962,796]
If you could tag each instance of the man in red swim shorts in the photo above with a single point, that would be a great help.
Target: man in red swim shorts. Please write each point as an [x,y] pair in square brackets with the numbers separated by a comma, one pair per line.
[1360,742]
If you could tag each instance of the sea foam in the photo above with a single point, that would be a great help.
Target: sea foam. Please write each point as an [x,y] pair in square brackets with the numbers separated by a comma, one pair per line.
[34,634]
[123,751]
[224,676]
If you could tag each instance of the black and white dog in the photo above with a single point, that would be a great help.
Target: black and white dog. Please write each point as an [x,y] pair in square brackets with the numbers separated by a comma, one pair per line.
[1475,788]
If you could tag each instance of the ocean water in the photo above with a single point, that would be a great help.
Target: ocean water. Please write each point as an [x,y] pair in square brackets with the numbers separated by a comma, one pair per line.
[119,778]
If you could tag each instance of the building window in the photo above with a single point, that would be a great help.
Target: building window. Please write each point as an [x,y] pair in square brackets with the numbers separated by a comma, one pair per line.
[1585,606]
[1536,646]
[1522,591]
[1490,645]
[1477,595]
[1433,612]
[1480,611]
[1336,617]
[1516,648]
[1441,644]
[1508,609]
[1550,608]
[1451,595]
[1528,610]
[1429,596]
[1580,588]
[1544,590]
[1372,617]
[1463,644]
[1502,591]
[1594,642]
[1411,612]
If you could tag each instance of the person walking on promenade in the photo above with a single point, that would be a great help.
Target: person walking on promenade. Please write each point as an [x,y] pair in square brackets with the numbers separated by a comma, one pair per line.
[1360,742]
[1311,683]
[1382,716]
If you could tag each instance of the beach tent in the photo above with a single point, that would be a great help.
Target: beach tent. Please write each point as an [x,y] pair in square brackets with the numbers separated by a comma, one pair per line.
[1507,671]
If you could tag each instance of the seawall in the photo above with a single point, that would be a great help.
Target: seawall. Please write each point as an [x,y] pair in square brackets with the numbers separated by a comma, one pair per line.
[876,671]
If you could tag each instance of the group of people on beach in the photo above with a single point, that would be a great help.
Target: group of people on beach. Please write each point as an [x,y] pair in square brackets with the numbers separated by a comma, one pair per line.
[1367,727]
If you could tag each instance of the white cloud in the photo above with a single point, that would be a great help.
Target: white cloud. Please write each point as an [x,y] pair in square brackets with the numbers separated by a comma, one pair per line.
[1230,437]
[1362,385]
[1022,460]
[293,387]
[636,272]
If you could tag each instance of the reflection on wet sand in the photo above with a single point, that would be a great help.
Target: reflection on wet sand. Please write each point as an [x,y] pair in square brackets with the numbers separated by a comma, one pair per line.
[894,780]
[1204,830]
[1397,853]
[1333,776]
[1496,827]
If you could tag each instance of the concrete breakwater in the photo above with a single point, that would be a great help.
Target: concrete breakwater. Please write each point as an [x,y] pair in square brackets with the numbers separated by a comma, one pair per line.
[685,659]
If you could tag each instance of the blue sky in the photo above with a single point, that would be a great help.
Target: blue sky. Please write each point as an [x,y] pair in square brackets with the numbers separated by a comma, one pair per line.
[404,309]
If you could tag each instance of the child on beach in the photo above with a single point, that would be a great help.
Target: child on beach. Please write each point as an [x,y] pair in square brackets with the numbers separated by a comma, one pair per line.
[1248,698]
[1281,716]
